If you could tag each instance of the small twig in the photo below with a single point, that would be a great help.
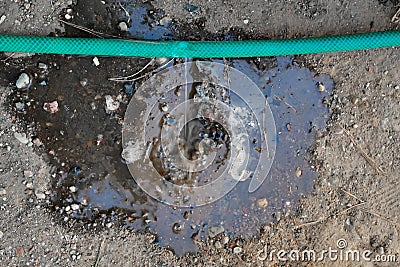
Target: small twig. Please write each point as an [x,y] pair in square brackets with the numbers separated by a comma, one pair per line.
[380,216]
[98,257]
[330,216]
[129,80]
[10,56]
[284,102]
[396,16]
[95,33]
[370,160]
[126,12]
[264,126]
[133,75]
[350,194]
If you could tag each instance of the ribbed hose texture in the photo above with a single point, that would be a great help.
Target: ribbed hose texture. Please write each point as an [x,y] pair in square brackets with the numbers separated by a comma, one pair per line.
[198,49]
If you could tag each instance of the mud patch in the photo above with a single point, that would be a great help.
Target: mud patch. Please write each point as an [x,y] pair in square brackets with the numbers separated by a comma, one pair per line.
[92,181]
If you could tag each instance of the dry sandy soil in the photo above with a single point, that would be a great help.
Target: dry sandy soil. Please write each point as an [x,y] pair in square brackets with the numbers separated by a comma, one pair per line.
[356,196]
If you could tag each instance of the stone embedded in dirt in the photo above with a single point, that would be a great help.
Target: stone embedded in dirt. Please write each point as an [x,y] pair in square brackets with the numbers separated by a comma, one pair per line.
[111,104]
[191,8]
[22,138]
[215,230]
[2,18]
[19,251]
[74,206]
[1,234]
[237,250]
[28,174]
[96,61]
[122,26]
[3,192]
[51,107]
[262,202]
[72,189]
[24,81]
[165,20]
[39,195]
[20,106]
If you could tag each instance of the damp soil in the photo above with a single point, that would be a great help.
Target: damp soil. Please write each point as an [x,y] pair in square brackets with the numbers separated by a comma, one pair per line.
[83,140]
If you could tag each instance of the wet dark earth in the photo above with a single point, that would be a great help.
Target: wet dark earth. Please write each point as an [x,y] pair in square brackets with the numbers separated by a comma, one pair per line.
[81,136]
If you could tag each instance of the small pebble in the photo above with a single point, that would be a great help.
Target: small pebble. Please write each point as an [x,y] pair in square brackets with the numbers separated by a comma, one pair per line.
[122,26]
[299,172]
[262,202]
[218,245]
[111,104]
[74,206]
[83,82]
[191,8]
[164,107]
[176,228]
[40,195]
[68,16]
[28,174]
[237,250]
[21,137]
[165,20]
[51,107]
[19,106]
[72,189]
[42,66]
[246,21]
[1,234]
[215,230]
[2,18]
[96,61]
[321,87]
[24,81]
[3,192]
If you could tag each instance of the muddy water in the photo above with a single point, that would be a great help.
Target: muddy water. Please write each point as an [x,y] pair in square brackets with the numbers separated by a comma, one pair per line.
[84,143]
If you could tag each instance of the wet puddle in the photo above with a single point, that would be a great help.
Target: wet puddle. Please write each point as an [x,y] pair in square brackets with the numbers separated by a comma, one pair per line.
[83,140]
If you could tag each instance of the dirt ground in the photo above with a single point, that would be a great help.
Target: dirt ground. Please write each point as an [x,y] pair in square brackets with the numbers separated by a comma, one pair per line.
[356,196]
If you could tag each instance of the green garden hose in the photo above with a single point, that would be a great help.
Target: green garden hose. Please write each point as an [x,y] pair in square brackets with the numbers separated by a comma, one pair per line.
[198,49]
